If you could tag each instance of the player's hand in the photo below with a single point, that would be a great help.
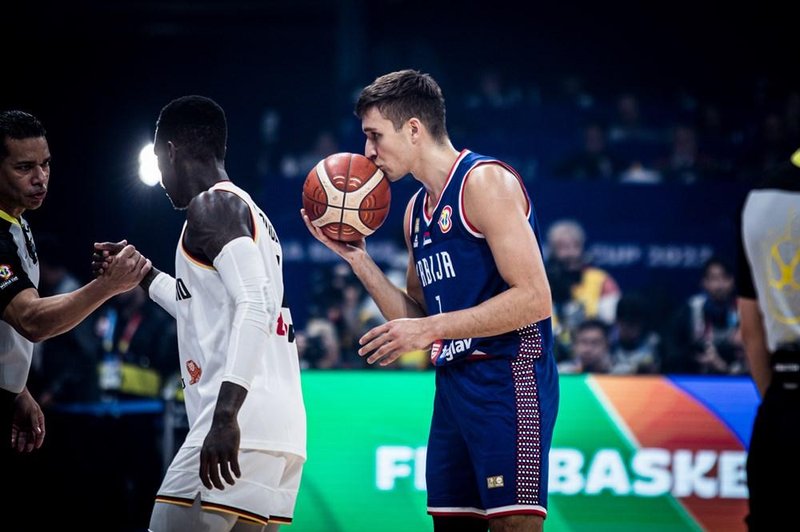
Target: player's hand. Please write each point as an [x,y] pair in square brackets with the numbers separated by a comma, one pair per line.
[102,255]
[344,249]
[125,270]
[387,342]
[219,456]
[27,425]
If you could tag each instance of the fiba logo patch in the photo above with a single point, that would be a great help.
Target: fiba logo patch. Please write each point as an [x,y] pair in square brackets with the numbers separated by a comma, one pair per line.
[446,219]
[6,272]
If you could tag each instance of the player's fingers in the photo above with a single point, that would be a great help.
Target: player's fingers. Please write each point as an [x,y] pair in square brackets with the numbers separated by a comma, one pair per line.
[385,350]
[213,473]
[148,265]
[391,357]
[375,357]
[126,253]
[371,346]
[22,441]
[204,467]
[373,333]
[235,466]
[306,220]
[110,247]
[141,262]
[224,467]
[39,432]
[316,231]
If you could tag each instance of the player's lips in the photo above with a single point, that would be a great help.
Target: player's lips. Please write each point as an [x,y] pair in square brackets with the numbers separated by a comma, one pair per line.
[39,196]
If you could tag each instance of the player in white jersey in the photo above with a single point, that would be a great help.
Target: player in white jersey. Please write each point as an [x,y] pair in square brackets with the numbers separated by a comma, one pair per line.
[239,362]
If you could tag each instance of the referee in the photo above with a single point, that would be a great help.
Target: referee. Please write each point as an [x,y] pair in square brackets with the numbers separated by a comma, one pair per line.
[769,308]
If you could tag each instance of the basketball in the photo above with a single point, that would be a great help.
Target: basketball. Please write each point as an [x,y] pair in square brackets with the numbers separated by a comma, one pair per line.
[347,196]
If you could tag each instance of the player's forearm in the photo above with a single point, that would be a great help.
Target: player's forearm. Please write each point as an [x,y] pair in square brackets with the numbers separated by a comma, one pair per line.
[392,301]
[229,402]
[505,312]
[161,289]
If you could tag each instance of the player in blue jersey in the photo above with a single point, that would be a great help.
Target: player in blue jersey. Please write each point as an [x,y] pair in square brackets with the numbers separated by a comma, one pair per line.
[477,297]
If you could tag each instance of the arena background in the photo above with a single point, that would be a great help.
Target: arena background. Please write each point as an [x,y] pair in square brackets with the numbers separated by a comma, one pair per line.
[97,73]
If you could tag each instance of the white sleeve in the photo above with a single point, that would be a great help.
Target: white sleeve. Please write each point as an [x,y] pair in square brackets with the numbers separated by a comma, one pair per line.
[246,279]
[162,291]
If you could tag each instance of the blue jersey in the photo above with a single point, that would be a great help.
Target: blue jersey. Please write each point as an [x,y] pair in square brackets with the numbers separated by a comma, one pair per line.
[456,268]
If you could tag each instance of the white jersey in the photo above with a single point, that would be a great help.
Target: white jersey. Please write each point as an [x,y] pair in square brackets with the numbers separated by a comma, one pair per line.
[273,414]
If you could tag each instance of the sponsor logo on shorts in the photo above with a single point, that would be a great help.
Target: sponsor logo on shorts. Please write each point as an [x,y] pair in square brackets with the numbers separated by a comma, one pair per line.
[5,272]
[495,482]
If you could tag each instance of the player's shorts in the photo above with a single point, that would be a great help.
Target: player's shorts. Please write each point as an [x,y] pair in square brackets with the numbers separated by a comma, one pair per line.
[490,437]
[265,493]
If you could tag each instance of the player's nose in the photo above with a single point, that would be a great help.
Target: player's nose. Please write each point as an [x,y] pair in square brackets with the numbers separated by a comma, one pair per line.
[369,151]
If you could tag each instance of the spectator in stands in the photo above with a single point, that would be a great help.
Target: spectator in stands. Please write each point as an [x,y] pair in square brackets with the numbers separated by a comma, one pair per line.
[580,291]
[769,147]
[136,347]
[636,141]
[318,344]
[269,148]
[705,335]
[630,126]
[338,320]
[791,118]
[719,139]
[635,346]
[493,92]
[685,163]
[590,349]
[300,164]
[594,161]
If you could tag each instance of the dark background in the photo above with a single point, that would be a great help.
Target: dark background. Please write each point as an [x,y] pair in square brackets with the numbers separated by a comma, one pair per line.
[97,73]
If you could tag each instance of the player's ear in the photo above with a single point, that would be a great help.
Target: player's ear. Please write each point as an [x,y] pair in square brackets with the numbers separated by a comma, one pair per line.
[172,151]
[414,127]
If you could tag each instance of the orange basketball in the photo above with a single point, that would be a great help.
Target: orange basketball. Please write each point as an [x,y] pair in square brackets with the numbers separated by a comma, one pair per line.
[347,196]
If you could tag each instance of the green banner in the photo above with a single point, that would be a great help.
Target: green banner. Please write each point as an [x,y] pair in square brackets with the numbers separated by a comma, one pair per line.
[614,467]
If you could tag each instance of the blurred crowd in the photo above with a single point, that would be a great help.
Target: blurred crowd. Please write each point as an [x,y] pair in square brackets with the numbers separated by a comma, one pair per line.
[598,328]
[565,132]
[570,131]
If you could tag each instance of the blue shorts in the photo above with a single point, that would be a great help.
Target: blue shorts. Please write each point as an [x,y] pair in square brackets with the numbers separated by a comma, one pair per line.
[490,437]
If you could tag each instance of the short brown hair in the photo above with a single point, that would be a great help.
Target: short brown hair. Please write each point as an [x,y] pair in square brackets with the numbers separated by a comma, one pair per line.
[405,94]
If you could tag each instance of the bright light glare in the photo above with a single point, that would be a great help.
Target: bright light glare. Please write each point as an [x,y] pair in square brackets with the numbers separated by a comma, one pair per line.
[148,166]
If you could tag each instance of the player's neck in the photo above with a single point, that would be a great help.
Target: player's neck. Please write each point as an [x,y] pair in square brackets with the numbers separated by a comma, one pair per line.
[434,168]
[205,176]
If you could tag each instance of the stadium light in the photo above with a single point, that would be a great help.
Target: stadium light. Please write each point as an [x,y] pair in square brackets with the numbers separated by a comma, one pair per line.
[148,166]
